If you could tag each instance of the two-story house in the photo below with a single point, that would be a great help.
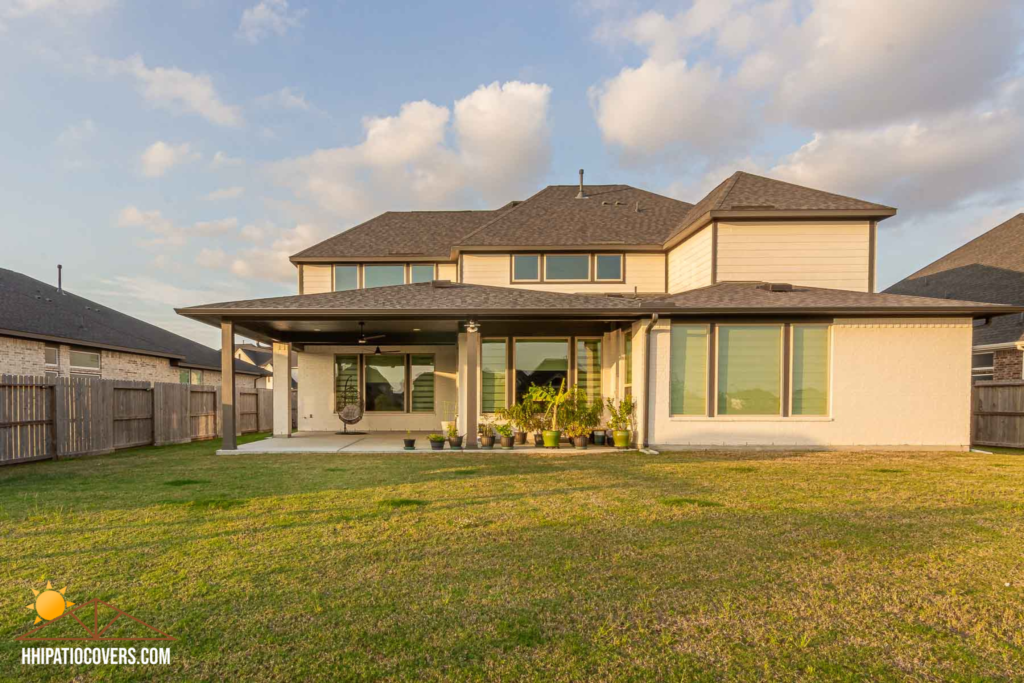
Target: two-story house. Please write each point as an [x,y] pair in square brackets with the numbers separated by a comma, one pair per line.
[748,318]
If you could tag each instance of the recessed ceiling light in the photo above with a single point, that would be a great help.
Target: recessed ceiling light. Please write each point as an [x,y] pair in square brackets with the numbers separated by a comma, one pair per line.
[316,329]
[415,329]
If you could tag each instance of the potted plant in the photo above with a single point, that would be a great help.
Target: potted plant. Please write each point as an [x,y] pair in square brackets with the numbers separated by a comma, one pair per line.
[599,434]
[454,438]
[518,415]
[555,401]
[538,423]
[621,420]
[436,441]
[486,436]
[505,432]
[450,412]
[579,416]
[410,441]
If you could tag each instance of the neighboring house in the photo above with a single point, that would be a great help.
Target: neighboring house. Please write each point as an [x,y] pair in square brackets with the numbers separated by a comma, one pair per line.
[49,331]
[263,357]
[748,318]
[988,268]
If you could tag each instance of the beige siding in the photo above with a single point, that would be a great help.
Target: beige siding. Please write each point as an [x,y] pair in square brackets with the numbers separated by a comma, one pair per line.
[831,254]
[894,382]
[316,279]
[645,272]
[689,264]
[448,271]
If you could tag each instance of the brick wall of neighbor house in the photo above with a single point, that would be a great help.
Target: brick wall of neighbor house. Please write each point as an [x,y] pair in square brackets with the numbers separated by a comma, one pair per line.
[21,356]
[131,366]
[1008,364]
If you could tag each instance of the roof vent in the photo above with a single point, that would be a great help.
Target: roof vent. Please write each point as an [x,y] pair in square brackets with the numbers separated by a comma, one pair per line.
[776,286]
[440,284]
[582,194]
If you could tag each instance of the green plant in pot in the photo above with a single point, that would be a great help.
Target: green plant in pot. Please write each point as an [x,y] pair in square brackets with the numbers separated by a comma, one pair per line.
[555,402]
[454,438]
[621,420]
[410,441]
[518,416]
[486,435]
[505,432]
[436,441]
[580,416]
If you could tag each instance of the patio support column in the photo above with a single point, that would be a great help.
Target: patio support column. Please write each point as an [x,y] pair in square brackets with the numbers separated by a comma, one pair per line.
[472,373]
[227,384]
[282,389]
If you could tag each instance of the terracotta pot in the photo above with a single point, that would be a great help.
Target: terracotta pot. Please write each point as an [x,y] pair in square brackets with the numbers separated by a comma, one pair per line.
[507,441]
[520,438]
[487,442]
[437,445]
[581,442]
[410,444]
[621,438]
[552,437]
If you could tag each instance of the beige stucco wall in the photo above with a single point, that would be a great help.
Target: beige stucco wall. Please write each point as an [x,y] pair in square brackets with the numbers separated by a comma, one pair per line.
[689,263]
[831,254]
[644,272]
[895,382]
[316,391]
[315,279]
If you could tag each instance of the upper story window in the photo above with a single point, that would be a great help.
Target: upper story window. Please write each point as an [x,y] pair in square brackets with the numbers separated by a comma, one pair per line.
[85,360]
[383,275]
[571,267]
[419,272]
[526,268]
[608,267]
[346,278]
[52,354]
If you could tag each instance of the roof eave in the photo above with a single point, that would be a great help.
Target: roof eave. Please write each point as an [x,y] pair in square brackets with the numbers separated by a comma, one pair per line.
[90,344]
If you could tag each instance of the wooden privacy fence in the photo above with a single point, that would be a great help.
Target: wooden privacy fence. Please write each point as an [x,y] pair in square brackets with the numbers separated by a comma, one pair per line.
[43,417]
[997,414]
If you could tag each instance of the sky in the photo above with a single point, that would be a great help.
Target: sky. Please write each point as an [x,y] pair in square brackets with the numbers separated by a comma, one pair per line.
[176,152]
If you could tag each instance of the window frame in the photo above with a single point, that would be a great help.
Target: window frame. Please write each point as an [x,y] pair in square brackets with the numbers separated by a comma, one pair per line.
[622,268]
[405,273]
[707,370]
[590,268]
[359,379]
[361,359]
[334,278]
[828,368]
[56,350]
[784,371]
[410,266]
[575,360]
[570,360]
[507,341]
[540,268]
[409,384]
[88,369]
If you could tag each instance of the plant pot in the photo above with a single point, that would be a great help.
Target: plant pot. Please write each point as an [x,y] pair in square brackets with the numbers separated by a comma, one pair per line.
[507,441]
[455,441]
[621,438]
[552,437]
[581,442]
[520,438]
[437,445]
[599,438]
[487,442]
[538,439]
[410,444]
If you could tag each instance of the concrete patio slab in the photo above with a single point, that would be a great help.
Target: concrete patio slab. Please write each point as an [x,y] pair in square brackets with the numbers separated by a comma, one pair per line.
[374,442]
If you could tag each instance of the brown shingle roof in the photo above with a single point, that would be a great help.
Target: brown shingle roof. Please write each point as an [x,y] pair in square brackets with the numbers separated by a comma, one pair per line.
[988,268]
[608,216]
[745,191]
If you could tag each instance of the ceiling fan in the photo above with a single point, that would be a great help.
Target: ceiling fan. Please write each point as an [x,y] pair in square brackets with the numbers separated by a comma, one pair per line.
[362,335]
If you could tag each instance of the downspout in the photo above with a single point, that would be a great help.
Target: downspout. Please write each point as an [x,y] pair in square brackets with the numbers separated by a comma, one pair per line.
[647,379]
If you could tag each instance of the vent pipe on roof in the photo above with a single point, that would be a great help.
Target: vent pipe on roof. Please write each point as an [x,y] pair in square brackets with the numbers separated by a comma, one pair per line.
[582,194]
[60,286]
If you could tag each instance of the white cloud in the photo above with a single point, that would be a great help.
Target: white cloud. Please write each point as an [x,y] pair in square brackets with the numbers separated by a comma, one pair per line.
[225,193]
[178,90]
[268,17]
[287,98]
[211,258]
[500,147]
[15,9]
[217,227]
[271,263]
[77,133]
[164,231]
[160,157]
[252,233]
[222,160]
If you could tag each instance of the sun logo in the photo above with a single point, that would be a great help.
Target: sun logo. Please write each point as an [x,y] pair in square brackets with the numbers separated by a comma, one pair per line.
[49,603]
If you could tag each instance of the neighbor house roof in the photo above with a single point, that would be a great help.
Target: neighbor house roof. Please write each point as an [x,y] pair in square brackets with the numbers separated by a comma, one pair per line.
[463,300]
[988,268]
[258,357]
[33,309]
[610,216]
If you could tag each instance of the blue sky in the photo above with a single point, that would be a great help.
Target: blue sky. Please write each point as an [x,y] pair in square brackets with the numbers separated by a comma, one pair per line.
[172,153]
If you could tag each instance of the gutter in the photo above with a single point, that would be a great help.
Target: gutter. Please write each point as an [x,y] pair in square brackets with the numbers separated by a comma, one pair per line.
[647,379]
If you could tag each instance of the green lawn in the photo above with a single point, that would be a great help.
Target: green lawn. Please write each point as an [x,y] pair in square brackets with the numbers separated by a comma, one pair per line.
[551,566]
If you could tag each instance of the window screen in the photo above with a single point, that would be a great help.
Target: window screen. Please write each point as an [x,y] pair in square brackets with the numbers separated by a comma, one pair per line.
[810,369]
[492,382]
[689,369]
[85,359]
[588,368]
[750,370]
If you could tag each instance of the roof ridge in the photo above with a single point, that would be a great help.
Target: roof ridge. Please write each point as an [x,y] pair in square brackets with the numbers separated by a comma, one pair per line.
[731,182]
[805,187]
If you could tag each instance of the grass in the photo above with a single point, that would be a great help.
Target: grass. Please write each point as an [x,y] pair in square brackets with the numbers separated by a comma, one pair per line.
[559,566]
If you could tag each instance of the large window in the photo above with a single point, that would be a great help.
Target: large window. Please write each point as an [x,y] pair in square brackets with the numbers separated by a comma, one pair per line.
[588,367]
[540,362]
[384,383]
[52,354]
[346,278]
[383,276]
[689,369]
[421,273]
[525,268]
[493,362]
[629,362]
[983,366]
[567,267]
[810,370]
[421,376]
[85,360]
[750,370]
[609,267]
[346,381]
